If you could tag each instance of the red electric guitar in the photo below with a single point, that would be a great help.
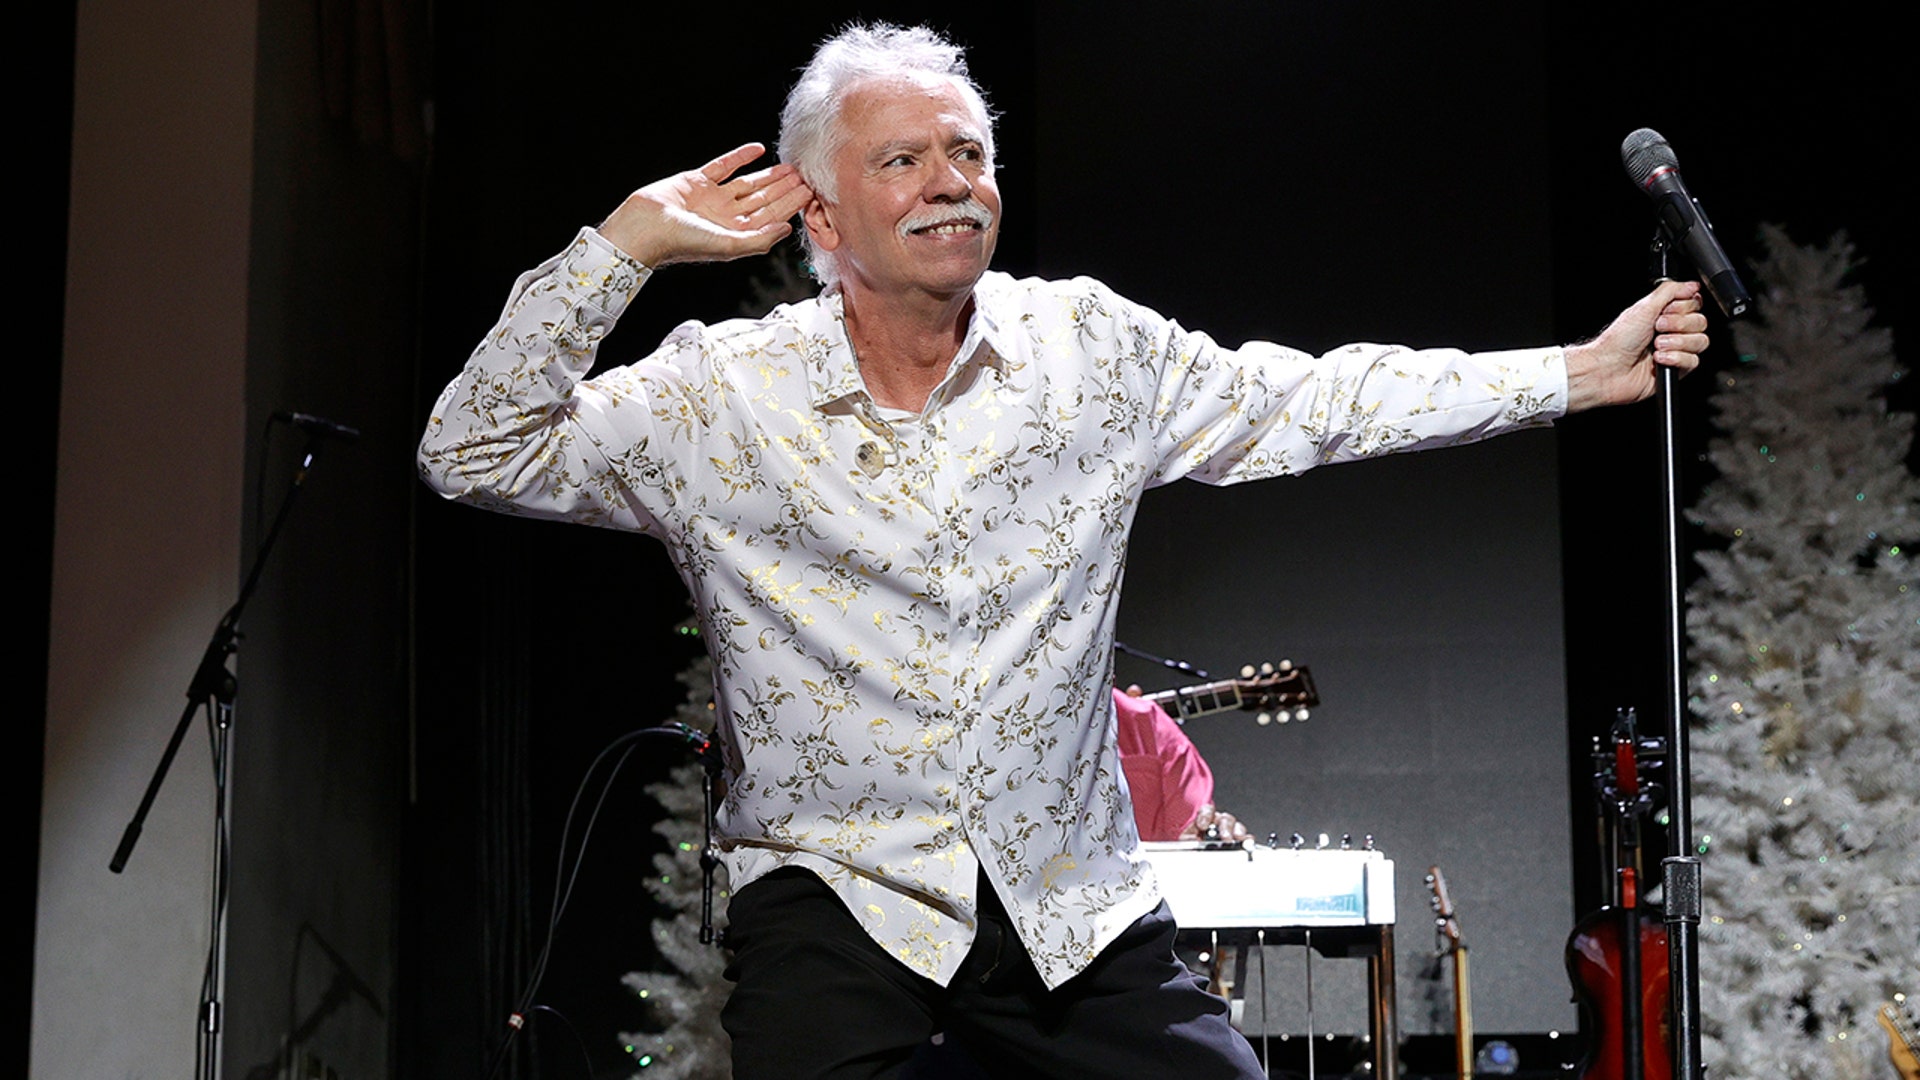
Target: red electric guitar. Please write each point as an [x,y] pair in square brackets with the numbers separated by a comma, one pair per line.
[1617,956]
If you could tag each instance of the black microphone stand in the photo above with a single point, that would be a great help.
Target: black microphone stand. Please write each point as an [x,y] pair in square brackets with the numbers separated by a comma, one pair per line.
[213,688]
[1167,662]
[1680,870]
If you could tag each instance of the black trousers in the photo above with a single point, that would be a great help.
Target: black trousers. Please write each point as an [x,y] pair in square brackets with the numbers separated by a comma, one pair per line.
[816,997]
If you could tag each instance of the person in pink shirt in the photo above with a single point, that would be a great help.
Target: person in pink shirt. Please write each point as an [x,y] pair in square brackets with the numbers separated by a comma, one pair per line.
[1172,787]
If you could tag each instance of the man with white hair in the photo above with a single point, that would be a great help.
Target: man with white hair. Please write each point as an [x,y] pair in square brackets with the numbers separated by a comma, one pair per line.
[902,509]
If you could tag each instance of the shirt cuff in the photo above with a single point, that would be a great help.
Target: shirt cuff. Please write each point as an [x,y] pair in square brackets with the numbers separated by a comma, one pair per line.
[1535,381]
[602,274]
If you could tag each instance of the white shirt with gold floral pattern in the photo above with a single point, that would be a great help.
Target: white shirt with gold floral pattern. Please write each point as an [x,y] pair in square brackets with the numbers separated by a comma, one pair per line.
[911,619]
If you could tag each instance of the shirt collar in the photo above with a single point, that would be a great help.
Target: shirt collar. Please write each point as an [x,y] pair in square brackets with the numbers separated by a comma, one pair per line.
[833,374]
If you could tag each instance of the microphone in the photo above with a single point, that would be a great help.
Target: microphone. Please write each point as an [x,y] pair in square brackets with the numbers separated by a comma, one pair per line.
[1653,168]
[318,425]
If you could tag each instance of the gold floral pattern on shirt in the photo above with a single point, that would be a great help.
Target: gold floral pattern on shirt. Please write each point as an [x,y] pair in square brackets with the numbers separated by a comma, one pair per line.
[911,616]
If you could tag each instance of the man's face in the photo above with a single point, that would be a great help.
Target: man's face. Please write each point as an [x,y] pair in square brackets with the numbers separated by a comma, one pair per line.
[916,207]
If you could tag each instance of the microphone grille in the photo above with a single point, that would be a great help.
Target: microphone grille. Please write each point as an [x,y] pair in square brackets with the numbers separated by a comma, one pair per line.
[1645,152]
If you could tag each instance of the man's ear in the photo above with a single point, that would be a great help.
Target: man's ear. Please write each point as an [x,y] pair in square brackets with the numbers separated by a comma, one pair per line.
[818,217]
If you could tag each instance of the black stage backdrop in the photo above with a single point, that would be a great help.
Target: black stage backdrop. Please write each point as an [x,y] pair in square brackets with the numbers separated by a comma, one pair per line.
[1312,173]
[1312,179]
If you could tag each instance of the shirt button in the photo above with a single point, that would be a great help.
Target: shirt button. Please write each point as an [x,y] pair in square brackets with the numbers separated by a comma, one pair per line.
[966,620]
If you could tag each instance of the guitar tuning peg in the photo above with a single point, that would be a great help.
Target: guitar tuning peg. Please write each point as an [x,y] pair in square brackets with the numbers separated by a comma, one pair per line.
[1266,669]
[1286,665]
[1246,671]
[1263,719]
[1301,714]
[1346,841]
[1323,841]
[1273,840]
[1297,841]
[1366,844]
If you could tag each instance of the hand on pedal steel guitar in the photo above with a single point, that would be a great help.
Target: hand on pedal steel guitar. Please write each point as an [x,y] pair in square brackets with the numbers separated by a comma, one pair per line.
[1212,823]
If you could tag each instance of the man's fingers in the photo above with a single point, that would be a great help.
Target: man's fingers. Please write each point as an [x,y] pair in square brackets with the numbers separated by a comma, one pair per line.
[785,205]
[1680,333]
[1649,308]
[730,162]
[1668,292]
[708,213]
[1679,351]
[770,174]
[773,192]
[1678,318]
[1642,319]
[750,204]
[1665,326]
[1677,333]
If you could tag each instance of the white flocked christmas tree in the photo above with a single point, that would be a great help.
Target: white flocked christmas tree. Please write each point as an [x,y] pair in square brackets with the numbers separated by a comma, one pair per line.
[1805,686]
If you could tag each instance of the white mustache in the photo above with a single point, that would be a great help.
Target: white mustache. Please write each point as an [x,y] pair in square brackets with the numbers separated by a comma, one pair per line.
[945,214]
